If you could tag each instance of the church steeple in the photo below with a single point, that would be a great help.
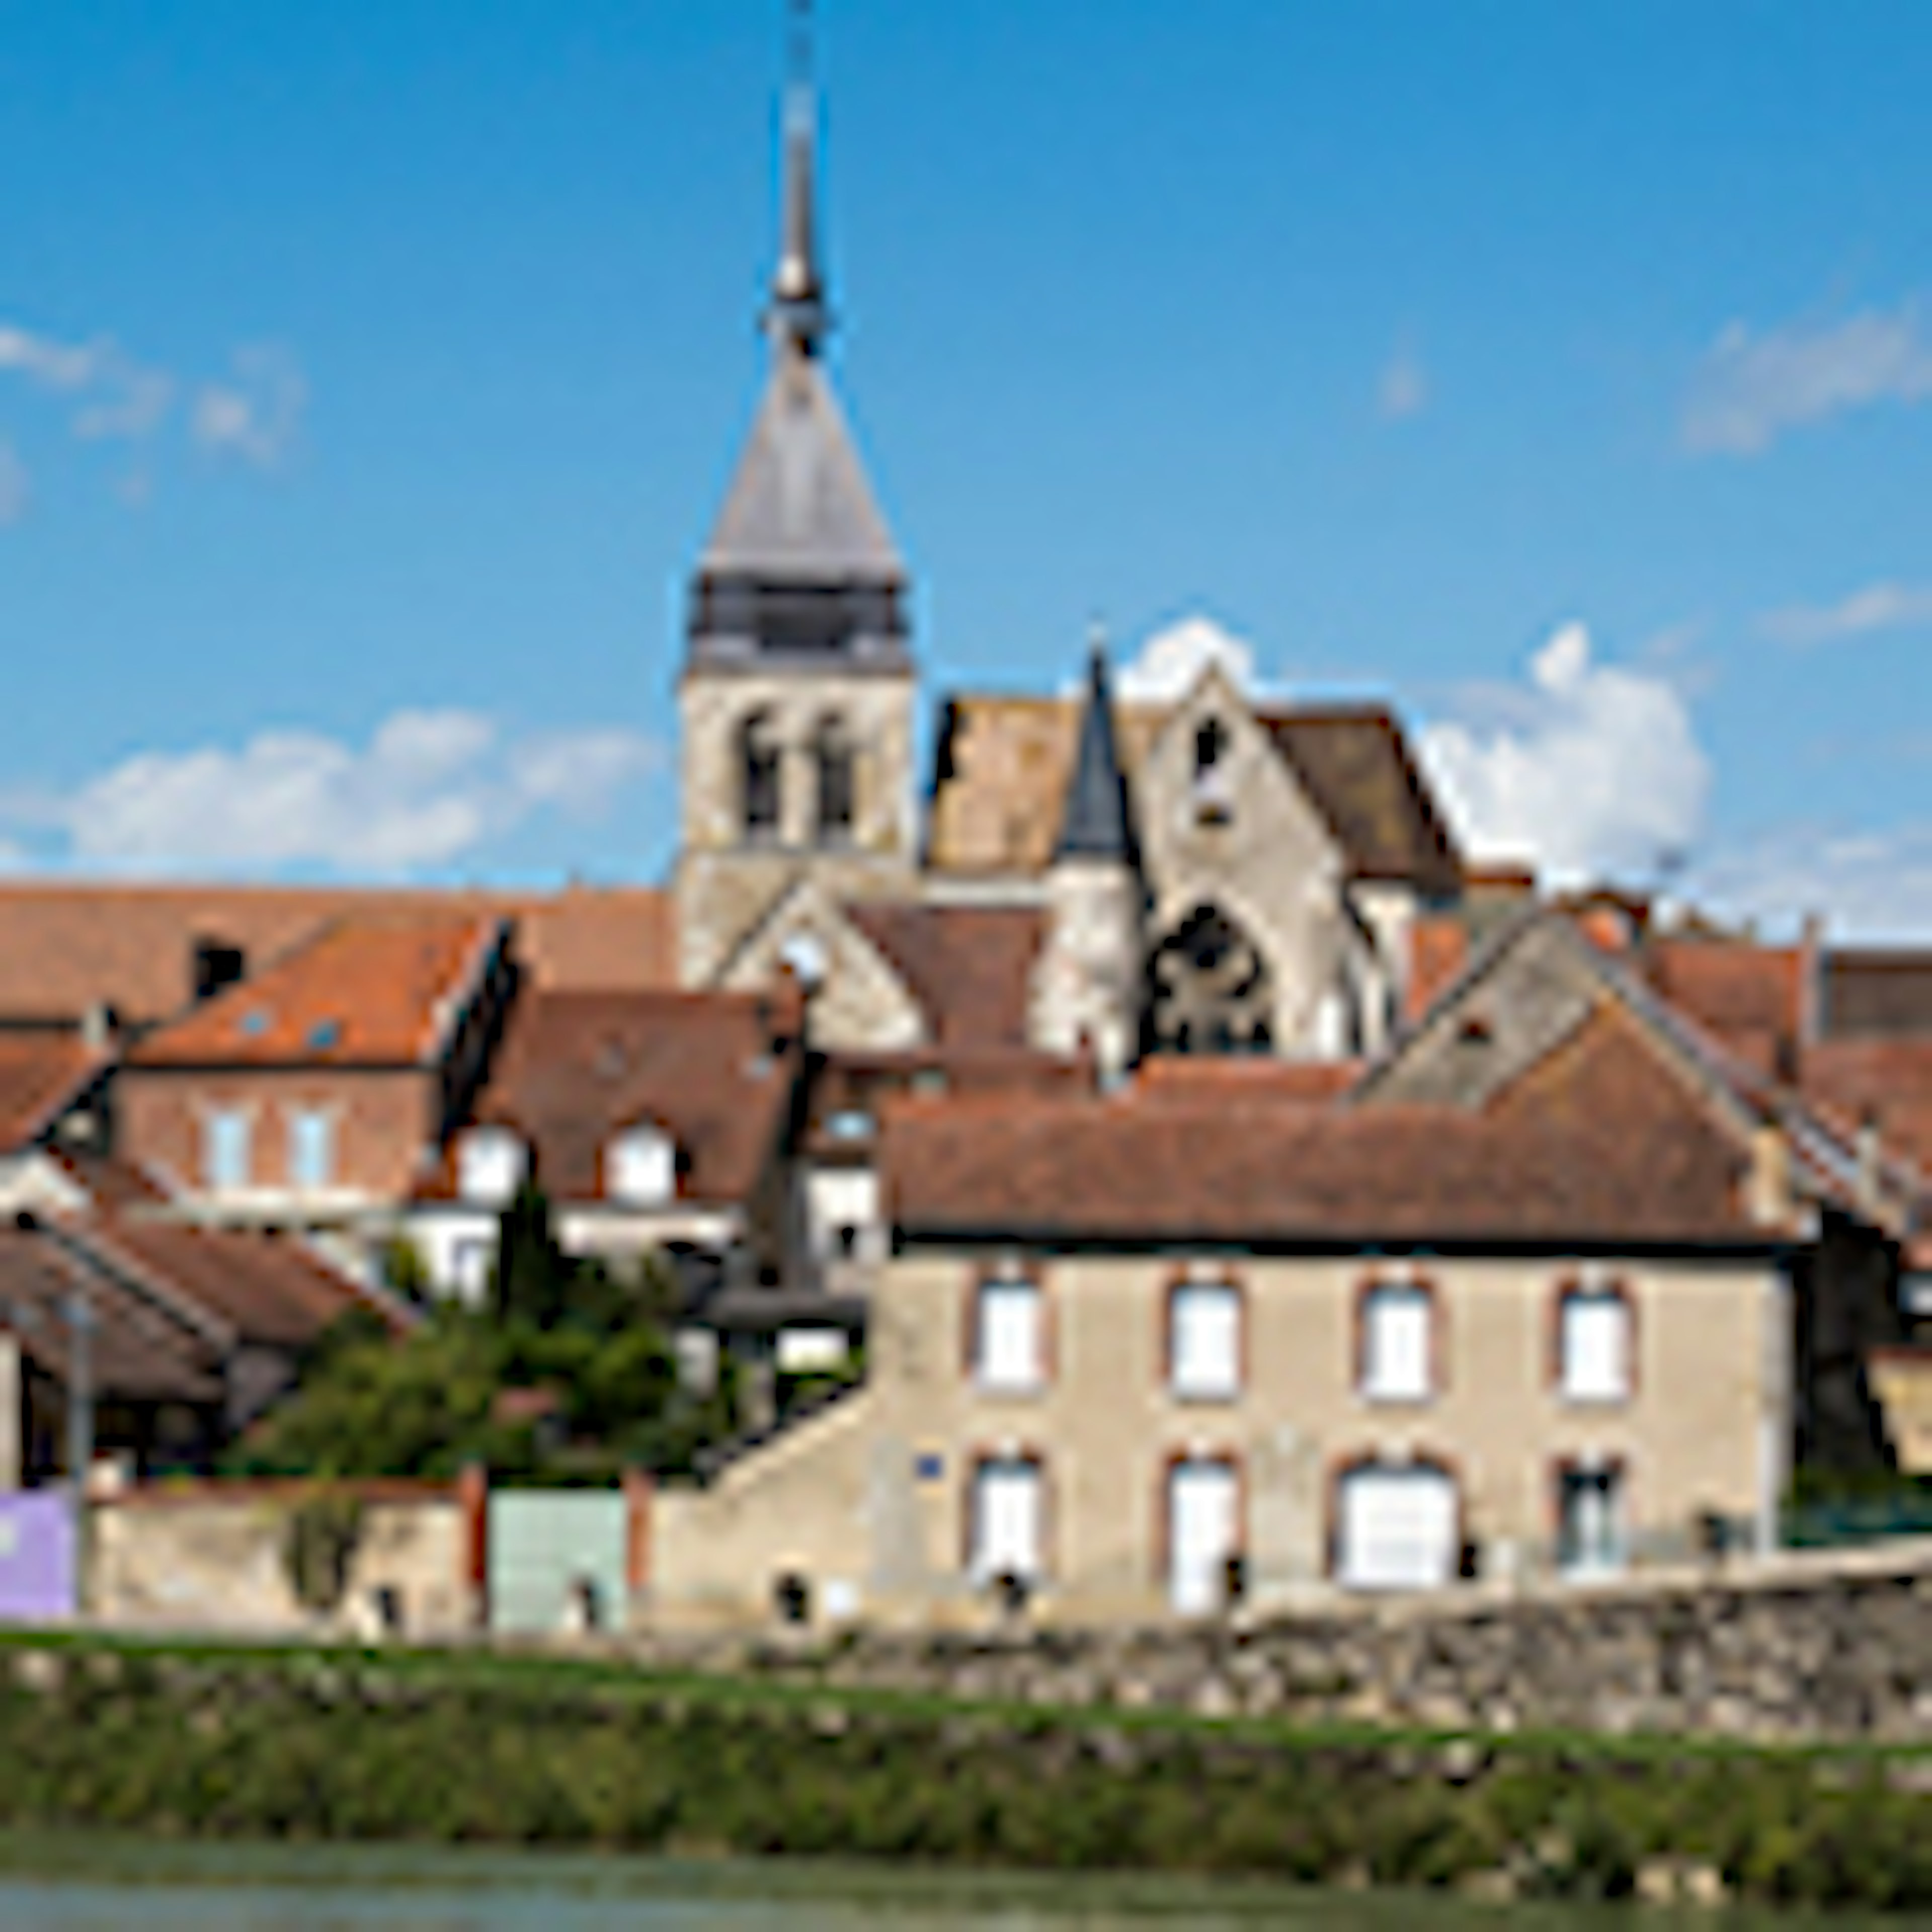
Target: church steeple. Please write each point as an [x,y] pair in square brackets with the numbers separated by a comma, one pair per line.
[801,573]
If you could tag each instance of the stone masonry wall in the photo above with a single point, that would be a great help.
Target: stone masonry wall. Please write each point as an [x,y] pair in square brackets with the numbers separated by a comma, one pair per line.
[1833,1646]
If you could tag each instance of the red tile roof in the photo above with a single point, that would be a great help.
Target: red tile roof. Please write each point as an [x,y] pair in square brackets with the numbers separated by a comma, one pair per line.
[575,1068]
[1602,1144]
[365,991]
[1888,1082]
[1186,1078]
[1749,998]
[42,1073]
[269,1291]
[65,948]
[970,967]
[1438,951]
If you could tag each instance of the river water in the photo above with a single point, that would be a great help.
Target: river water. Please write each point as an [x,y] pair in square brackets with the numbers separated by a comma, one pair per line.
[92,1885]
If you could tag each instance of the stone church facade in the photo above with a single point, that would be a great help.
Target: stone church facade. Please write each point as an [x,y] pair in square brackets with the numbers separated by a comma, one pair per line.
[1207,875]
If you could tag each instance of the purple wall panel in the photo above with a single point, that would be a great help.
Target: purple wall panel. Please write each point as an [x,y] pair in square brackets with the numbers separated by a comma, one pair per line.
[37,1557]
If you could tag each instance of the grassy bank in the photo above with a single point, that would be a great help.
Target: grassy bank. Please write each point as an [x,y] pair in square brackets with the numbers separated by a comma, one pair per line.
[311,1745]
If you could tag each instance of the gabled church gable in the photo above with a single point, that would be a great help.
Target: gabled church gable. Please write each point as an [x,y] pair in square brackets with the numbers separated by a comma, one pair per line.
[860,1003]
[1224,824]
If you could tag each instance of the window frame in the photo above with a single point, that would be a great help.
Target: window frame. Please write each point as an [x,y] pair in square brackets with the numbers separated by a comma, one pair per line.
[1010,1276]
[325,1120]
[239,1119]
[468,1148]
[1235,1384]
[1612,1474]
[1379,1287]
[631,1141]
[1580,1289]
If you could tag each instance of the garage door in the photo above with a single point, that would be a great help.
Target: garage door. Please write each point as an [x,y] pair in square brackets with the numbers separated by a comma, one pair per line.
[1201,1525]
[1398,1529]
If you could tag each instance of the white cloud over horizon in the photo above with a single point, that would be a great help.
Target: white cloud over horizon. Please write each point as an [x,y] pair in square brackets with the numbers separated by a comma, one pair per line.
[1169,661]
[428,788]
[1752,388]
[1887,605]
[1592,771]
[1869,887]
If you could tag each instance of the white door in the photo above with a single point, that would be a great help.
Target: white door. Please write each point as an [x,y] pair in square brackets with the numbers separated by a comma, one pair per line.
[1200,1529]
[1398,1529]
[1007,1520]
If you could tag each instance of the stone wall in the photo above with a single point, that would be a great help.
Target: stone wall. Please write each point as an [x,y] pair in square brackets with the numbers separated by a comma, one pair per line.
[213,1558]
[1825,1646]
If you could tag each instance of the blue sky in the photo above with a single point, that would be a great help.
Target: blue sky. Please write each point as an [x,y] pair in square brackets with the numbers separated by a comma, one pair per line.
[368,375]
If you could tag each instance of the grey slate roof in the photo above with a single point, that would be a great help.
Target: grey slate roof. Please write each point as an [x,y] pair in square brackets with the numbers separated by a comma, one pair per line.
[800,508]
[1096,821]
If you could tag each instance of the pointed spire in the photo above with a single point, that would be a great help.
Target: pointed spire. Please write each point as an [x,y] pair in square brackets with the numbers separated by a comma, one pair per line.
[798,315]
[1096,821]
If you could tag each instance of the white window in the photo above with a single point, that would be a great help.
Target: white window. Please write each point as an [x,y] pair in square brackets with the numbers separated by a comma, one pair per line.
[1203,1510]
[640,1168]
[227,1135]
[1398,1528]
[1007,1514]
[1398,1342]
[311,1149]
[1590,1512]
[489,1166]
[1203,1340]
[1594,1346]
[1009,1354]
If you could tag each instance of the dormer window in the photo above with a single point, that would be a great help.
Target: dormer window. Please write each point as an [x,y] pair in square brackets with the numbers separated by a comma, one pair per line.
[490,1164]
[640,1168]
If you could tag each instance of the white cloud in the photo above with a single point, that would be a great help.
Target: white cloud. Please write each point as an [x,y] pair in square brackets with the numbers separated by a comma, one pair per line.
[1751,388]
[1868,886]
[1594,771]
[1403,390]
[429,787]
[1170,662]
[255,414]
[1878,607]
[15,489]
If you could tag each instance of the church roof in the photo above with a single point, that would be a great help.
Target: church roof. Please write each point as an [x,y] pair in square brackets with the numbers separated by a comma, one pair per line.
[1005,764]
[800,508]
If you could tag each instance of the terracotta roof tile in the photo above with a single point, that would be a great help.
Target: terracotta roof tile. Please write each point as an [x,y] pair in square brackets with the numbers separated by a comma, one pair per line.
[137,1352]
[42,1073]
[269,1291]
[970,967]
[1602,1145]
[574,1069]
[366,991]
[65,948]
[1748,997]
[1186,1077]
[1886,1081]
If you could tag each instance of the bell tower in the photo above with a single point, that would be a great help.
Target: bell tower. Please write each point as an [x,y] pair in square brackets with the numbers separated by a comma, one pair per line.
[795,702]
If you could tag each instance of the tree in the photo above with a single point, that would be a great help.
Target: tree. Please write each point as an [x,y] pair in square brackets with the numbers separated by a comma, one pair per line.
[599,1348]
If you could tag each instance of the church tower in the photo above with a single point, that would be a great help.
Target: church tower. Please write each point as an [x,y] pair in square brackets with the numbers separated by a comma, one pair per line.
[796,699]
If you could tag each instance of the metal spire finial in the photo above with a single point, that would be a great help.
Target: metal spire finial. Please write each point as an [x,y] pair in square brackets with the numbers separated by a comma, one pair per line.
[799,314]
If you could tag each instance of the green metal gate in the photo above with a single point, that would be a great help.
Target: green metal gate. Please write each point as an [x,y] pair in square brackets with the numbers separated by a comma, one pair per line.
[556,1560]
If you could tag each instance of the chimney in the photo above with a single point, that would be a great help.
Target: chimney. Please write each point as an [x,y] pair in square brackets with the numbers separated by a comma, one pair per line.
[1768,1200]
[99,1026]
[1871,1149]
[1811,982]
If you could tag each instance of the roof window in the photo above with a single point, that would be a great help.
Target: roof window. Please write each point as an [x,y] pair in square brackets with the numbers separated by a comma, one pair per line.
[640,1168]
[324,1034]
[491,1164]
[254,1023]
